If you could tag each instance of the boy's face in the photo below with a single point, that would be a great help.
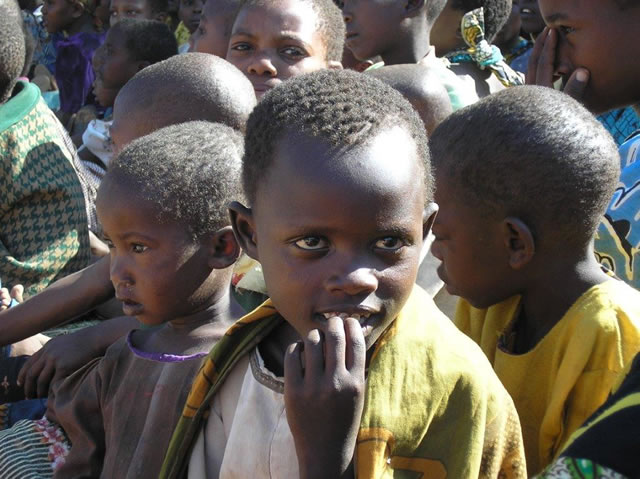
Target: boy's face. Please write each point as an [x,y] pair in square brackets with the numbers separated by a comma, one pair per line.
[57,15]
[340,230]
[470,247]
[140,9]
[157,269]
[113,63]
[272,43]
[601,37]
[189,13]
[212,34]
[372,26]
[445,34]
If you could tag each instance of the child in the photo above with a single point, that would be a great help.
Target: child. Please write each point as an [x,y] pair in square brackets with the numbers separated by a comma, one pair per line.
[214,29]
[44,224]
[274,40]
[519,207]
[130,46]
[76,40]
[189,14]
[516,49]
[464,33]
[532,21]
[140,9]
[593,64]
[400,33]
[182,88]
[339,236]
[162,205]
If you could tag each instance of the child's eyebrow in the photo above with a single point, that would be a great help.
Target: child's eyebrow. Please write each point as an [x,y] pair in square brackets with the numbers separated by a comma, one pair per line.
[133,234]
[554,17]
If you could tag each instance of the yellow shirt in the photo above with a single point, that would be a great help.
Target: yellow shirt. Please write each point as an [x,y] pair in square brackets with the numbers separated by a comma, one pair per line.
[559,383]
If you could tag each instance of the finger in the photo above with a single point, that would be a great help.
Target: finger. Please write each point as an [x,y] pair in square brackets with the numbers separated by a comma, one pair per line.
[534,58]
[335,345]
[44,380]
[16,292]
[293,371]
[577,83]
[313,355]
[547,62]
[356,347]
[30,378]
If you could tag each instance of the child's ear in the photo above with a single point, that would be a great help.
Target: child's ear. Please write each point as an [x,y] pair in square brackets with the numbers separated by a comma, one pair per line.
[428,217]
[225,250]
[413,7]
[244,229]
[519,242]
[334,65]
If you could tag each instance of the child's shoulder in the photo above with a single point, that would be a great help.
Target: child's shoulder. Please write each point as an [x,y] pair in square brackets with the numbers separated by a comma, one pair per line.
[608,303]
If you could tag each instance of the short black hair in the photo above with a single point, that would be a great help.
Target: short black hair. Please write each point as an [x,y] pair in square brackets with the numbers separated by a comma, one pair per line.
[341,107]
[191,171]
[330,24]
[533,153]
[188,87]
[159,6]
[496,13]
[146,40]
[12,47]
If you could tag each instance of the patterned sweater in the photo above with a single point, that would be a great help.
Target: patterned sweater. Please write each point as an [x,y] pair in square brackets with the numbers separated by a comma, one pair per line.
[43,222]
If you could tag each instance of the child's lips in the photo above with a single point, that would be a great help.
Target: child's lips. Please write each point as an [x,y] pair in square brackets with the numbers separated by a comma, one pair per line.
[130,307]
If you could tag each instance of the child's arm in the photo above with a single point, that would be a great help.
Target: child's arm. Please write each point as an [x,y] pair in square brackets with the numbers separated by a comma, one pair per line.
[63,300]
[63,355]
[332,379]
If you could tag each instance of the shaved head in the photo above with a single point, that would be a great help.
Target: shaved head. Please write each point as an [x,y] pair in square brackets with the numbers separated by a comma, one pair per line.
[188,87]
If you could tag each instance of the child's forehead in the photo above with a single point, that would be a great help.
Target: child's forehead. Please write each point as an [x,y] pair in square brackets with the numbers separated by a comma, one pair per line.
[129,3]
[281,15]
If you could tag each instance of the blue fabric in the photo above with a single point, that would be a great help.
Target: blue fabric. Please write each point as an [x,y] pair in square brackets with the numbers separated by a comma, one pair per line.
[620,123]
[618,236]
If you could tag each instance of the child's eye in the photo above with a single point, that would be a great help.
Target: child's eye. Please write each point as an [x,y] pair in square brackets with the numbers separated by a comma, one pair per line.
[296,52]
[113,13]
[138,248]
[312,243]
[241,47]
[108,242]
[566,30]
[390,243]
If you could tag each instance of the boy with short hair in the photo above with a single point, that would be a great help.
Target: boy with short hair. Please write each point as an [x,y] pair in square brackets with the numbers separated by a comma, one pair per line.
[141,9]
[42,211]
[588,44]
[181,88]
[400,32]
[338,230]
[214,29]
[519,207]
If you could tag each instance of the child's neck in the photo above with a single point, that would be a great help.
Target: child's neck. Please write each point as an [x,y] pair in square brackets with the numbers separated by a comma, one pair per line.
[194,332]
[415,47]
[548,298]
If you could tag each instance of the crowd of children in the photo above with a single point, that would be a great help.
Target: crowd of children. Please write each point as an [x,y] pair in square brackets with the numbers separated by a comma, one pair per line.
[319,238]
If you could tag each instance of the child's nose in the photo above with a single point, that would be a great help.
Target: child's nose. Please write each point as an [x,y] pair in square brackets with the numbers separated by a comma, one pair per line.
[118,271]
[360,281]
[262,65]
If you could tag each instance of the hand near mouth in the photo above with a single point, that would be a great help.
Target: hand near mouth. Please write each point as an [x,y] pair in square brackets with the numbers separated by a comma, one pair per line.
[324,399]
[541,69]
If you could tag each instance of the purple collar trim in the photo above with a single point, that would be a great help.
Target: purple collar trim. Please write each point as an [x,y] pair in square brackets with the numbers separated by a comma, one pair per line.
[161,357]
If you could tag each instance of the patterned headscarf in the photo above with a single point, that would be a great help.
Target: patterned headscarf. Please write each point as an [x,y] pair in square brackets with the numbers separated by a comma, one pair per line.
[481,52]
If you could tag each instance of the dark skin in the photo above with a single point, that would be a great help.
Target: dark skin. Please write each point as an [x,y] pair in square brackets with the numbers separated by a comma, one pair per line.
[339,264]
[396,31]
[486,260]
[587,44]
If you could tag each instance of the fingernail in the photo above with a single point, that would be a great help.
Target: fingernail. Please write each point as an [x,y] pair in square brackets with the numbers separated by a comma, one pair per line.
[582,76]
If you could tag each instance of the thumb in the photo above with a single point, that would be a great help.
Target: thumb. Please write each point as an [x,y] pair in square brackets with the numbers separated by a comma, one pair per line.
[16,292]
[577,83]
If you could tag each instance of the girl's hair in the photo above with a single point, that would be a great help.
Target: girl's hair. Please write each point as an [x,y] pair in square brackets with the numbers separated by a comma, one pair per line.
[146,40]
